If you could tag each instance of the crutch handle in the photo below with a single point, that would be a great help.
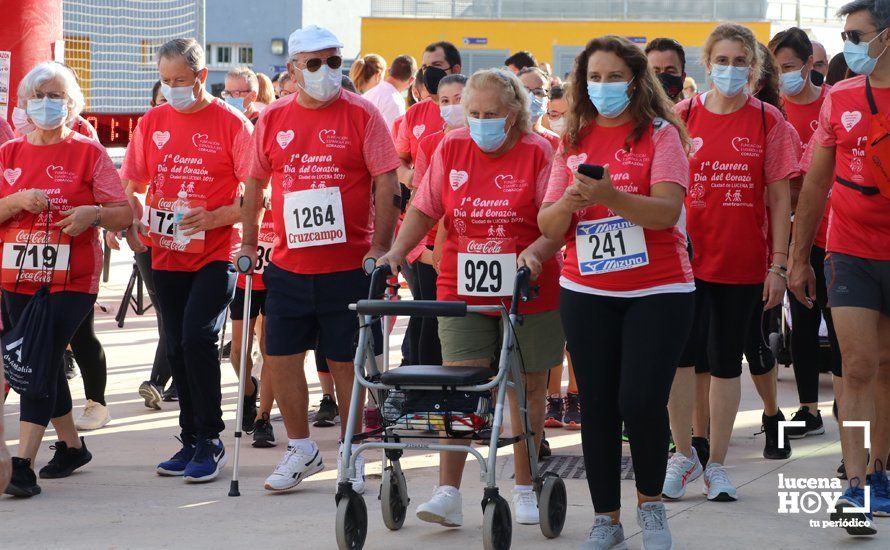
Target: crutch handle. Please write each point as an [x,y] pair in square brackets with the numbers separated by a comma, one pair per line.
[244,264]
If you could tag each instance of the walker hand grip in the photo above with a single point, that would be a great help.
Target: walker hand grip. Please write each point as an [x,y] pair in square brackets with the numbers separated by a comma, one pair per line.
[368,265]
[379,275]
[414,308]
[244,264]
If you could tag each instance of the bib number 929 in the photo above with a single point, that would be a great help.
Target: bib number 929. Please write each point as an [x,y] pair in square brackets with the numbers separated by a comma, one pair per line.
[483,276]
[486,267]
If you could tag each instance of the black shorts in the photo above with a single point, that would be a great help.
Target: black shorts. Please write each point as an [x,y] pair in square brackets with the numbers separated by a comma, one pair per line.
[306,312]
[257,304]
[857,282]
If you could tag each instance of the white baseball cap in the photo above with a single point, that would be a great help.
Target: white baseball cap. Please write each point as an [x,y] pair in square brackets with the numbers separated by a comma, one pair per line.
[311,39]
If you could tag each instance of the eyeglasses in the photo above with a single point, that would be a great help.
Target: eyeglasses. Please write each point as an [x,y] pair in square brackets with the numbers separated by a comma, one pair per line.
[334,62]
[855,37]
[235,93]
[284,93]
[539,93]
[555,115]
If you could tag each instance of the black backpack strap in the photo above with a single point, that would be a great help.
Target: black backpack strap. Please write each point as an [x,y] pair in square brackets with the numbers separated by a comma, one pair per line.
[870,96]
[689,109]
[763,120]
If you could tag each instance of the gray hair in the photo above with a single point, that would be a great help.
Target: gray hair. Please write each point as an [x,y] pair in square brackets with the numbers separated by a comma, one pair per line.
[187,48]
[249,76]
[879,10]
[512,94]
[49,71]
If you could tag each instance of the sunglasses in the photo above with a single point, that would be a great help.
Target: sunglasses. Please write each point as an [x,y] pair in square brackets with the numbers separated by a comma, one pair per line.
[855,37]
[334,62]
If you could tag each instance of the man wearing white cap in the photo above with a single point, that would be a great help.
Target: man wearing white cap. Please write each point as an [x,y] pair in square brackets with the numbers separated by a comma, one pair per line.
[332,166]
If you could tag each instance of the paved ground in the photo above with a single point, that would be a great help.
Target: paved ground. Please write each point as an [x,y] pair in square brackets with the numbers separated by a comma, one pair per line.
[119,502]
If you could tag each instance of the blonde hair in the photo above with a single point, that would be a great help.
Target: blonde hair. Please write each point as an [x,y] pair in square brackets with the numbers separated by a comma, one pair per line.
[47,72]
[512,94]
[266,92]
[742,35]
[364,69]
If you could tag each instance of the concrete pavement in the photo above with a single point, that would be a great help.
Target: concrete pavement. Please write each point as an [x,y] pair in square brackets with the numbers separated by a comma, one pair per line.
[118,501]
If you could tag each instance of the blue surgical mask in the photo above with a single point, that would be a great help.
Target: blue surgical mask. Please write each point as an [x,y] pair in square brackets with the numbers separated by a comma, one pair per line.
[791,83]
[236,102]
[180,98]
[538,106]
[47,113]
[488,133]
[609,98]
[729,80]
[857,58]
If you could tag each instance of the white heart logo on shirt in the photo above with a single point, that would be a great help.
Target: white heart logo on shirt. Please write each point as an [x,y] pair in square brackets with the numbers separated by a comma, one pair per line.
[11,175]
[574,161]
[199,138]
[160,138]
[51,171]
[739,142]
[697,144]
[850,119]
[418,130]
[619,155]
[458,178]
[284,139]
[323,135]
[814,125]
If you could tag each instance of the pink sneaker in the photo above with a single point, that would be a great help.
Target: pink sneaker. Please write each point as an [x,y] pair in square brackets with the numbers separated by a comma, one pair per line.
[373,419]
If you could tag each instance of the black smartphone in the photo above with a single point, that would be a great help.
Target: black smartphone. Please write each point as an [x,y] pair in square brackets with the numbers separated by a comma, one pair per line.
[594,171]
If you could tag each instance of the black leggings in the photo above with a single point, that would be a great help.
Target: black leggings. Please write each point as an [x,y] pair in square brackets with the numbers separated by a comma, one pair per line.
[805,335]
[160,370]
[69,310]
[625,352]
[90,357]
[429,349]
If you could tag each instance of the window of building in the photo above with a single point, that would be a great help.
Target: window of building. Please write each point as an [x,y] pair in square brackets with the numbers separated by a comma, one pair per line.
[225,56]
[245,55]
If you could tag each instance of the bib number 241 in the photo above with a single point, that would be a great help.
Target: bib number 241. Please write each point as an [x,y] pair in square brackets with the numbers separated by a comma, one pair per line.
[610,244]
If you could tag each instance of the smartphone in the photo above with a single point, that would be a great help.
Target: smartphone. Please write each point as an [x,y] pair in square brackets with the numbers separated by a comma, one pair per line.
[594,171]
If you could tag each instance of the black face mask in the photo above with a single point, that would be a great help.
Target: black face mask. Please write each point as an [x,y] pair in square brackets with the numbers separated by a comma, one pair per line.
[431,78]
[672,84]
[817,78]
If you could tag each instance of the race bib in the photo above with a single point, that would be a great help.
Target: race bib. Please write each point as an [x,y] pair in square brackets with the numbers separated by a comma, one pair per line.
[314,217]
[486,267]
[610,244]
[162,227]
[263,256]
[41,259]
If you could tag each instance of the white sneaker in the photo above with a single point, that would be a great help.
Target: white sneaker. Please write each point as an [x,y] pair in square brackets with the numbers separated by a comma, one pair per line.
[296,466]
[525,506]
[94,416]
[445,508]
[717,484]
[680,472]
[604,535]
[358,482]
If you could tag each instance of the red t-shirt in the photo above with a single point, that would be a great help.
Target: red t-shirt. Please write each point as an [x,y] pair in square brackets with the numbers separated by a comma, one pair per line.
[551,137]
[75,172]
[421,120]
[859,225]
[265,245]
[6,132]
[631,259]
[490,206]
[805,119]
[322,163]
[425,150]
[735,156]
[207,153]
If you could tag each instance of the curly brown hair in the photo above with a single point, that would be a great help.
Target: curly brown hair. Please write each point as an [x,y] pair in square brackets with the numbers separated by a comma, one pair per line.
[648,100]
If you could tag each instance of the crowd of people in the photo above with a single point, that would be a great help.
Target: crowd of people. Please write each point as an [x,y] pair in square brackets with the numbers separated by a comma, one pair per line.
[654,213]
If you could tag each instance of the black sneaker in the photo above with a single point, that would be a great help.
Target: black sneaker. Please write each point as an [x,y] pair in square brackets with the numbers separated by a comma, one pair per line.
[227,350]
[842,470]
[70,365]
[263,436]
[249,418]
[834,411]
[702,447]
[813,425]
[771,448]
[151,394]
[171,395]
[571,418]
[66,460]
[23,482]
[327,412]
[544,452]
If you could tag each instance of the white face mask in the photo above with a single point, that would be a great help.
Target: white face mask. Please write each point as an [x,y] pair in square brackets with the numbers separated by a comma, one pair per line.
[558,125]
[322,85]
[180,98]
[453,115]
[20,120]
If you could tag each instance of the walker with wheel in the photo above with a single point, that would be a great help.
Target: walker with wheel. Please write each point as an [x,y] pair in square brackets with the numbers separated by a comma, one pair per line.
[413,398]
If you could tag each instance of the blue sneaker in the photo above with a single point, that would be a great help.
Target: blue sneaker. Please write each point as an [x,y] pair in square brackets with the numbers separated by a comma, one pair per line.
[880,493]
[856,524]
[177,463]
[209,459]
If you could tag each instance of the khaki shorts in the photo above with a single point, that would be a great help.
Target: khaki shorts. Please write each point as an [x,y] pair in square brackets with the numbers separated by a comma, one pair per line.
[541,339]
